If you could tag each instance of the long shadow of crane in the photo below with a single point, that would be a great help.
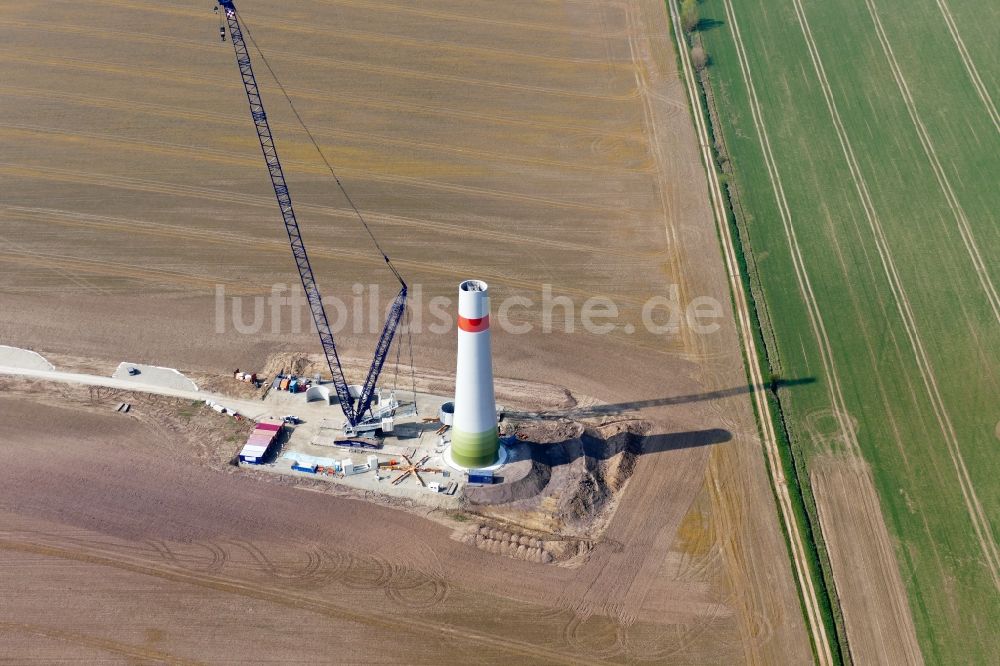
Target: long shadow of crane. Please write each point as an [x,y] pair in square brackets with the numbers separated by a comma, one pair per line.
[594,411]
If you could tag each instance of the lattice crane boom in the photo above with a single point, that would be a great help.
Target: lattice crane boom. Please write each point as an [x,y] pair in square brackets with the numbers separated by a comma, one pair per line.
[353,410]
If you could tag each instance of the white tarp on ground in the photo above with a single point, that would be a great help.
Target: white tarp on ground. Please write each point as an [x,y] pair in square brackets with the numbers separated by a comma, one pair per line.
[155,376]
[304,459]
[16,357]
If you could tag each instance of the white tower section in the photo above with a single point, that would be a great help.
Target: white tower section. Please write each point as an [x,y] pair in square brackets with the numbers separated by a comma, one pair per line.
[474,439]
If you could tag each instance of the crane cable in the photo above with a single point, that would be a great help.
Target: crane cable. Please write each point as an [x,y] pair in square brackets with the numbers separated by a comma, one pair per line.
[343,190]
[222,23]
[319,150]
[413,372]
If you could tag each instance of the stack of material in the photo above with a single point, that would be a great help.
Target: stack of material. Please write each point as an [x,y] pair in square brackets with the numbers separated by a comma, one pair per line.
[223,409]
[260,442]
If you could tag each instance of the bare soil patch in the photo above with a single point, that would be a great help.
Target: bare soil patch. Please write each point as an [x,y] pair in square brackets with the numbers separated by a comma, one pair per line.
[543,144]
[876,610]
[563,488]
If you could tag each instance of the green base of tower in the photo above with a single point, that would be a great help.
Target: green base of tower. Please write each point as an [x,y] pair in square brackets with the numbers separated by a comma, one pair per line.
[471,450]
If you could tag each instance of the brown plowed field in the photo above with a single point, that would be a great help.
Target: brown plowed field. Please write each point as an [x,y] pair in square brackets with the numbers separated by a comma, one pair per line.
[548,143]
[879,623]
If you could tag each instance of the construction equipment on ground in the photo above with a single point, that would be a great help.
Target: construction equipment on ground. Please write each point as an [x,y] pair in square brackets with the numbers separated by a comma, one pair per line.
[411,468]
[356,406]
[358,443]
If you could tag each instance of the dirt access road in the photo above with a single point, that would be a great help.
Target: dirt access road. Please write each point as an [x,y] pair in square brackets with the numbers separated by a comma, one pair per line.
[790,522]
[548,144]
[253,409]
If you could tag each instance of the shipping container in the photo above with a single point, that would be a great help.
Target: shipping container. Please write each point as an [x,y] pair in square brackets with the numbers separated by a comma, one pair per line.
[481,476]
[253,454]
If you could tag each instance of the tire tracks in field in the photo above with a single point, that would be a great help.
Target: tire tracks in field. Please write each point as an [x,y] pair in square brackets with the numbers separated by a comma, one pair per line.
[466,18]
[642,83]
[311,573]
[412,624]
[878,618]
[961,220]
[977,516]
[277,245]
[601,646]
[806,585]
[733,527]
[813,310]
[125,650]
[81,282]
[216,82]
[229,157]
[161,187]
[242,287]
[118,269]
[127,225]
[132,105]
[336,30]
[816,321]
[970,66]
[353,65]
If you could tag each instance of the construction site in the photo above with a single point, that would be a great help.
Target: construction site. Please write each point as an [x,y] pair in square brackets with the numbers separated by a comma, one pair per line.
[518,485]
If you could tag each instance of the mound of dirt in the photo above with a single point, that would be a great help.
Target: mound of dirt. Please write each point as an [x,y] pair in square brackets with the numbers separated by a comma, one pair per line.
[564,480]
[227,385]
[523,476]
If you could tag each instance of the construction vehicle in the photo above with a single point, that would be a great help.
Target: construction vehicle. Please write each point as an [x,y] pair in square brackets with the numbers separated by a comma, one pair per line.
[381,416]
[357,408]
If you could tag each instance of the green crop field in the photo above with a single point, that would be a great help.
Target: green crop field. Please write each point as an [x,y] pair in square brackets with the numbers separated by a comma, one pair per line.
[864,153]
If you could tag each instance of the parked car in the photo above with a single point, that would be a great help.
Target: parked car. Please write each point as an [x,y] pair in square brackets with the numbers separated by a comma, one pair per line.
[133,371]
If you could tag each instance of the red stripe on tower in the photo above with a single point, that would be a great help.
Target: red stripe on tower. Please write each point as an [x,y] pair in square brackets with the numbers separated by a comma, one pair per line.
[473,325]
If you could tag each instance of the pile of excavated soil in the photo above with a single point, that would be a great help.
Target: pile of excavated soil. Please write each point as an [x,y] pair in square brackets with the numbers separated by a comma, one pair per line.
[564,479]
[563,157]
[226,385]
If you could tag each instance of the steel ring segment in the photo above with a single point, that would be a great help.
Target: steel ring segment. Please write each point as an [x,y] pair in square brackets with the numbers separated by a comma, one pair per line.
[470,325]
